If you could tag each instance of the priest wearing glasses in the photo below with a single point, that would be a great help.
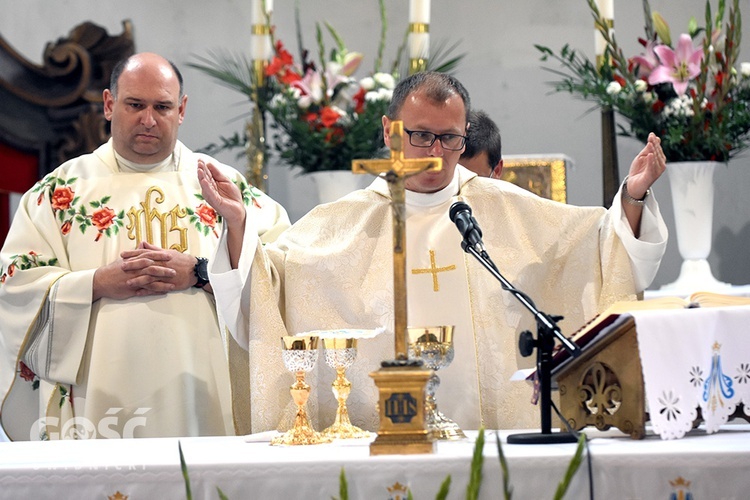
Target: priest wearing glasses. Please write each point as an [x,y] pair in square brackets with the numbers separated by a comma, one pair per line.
[333,269]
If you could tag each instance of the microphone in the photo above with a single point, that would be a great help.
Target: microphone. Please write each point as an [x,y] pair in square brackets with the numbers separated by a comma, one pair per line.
[460,214]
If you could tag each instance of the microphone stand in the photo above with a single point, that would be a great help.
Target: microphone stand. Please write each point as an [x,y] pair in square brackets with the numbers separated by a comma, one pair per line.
[547,331]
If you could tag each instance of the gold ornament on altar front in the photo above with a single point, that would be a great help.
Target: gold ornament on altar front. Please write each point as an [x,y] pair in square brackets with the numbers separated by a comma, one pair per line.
[300,355]
[434,347]
[340,354]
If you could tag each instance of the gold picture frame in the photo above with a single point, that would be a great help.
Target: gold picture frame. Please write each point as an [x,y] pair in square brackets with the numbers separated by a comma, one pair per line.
[543,175]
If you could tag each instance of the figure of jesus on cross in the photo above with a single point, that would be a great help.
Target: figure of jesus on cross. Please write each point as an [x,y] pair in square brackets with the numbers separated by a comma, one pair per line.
[396,170]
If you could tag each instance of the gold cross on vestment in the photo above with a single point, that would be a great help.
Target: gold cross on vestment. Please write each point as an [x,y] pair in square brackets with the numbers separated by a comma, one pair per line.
[434,270]
[396,170]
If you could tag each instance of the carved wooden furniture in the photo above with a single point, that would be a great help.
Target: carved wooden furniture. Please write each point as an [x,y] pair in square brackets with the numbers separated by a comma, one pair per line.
[52,111]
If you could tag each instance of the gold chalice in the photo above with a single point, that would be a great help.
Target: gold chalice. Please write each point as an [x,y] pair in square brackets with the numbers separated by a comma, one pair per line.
[340,354]
[300,355]
[434,346]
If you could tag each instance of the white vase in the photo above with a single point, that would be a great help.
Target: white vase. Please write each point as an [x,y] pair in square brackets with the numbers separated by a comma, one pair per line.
[692,185]
[334,184]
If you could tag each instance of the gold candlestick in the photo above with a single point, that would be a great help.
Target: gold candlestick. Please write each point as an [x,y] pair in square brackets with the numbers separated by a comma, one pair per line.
[255,130]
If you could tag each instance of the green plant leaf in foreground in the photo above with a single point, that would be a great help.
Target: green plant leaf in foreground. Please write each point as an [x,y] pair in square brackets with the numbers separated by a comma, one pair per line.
[185,476]
[475,478]
[507,489]
[573,466]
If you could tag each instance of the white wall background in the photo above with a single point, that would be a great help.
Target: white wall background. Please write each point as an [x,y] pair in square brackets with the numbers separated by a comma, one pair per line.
[502,72]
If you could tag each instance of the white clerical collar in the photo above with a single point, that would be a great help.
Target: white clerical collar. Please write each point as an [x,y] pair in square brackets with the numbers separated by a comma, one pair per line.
[425,199]
[168,164]
[433,199]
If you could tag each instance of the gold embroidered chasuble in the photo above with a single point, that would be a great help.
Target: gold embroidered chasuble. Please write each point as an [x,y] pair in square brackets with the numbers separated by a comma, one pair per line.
[142,367]
[333,269]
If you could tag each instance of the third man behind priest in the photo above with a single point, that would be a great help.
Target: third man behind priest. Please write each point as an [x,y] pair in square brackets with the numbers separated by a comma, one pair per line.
[333,269]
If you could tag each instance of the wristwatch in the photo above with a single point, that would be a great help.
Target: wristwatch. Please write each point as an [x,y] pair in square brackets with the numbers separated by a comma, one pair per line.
[201,272]
[638,202]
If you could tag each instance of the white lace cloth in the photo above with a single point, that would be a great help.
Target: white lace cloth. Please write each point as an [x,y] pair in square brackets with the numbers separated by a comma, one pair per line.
[694,358]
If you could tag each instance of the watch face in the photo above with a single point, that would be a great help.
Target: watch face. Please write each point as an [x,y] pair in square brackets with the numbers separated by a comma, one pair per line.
[201,271]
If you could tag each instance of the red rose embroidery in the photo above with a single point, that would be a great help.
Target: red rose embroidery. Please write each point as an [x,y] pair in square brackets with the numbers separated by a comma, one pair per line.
[66,227]
[206,214]
[11,270]
[102,219]
[62,198]
[26,372]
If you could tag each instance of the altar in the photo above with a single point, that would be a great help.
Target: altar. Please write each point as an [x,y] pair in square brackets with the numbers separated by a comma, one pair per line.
[702,465]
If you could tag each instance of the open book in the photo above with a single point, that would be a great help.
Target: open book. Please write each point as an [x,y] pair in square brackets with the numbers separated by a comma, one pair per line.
[697,299]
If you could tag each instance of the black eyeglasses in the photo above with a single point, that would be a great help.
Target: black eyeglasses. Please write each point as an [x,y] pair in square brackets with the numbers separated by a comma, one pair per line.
[423,139]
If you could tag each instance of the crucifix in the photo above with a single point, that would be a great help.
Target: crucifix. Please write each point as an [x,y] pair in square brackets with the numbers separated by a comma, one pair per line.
[396,170]
[401,382]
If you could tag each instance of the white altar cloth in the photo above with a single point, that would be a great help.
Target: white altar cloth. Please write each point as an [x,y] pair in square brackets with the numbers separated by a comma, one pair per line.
[705,466]
[694,358]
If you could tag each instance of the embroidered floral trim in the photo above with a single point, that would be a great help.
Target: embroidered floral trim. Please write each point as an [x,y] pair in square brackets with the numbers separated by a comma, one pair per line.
[22,262]
[28,375]
[249,192]
[205,218]
[67,208]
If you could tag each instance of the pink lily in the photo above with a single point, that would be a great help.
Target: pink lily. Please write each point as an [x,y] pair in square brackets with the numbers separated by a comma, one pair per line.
[646,62]
[679,66]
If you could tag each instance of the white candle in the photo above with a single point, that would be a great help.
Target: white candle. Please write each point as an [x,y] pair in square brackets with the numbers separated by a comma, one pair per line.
[606,8]
[260,42]
[260,47]
[419,11]
[257,15]
[419,45]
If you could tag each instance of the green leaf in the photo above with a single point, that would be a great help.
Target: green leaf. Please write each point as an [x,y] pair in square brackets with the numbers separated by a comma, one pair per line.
[573,466]
[343,486]
[507,490]
[444,488]
[185,475]
[475,477]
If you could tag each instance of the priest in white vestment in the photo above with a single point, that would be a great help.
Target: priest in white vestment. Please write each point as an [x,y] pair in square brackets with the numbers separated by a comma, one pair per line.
[104,333]
[333,269]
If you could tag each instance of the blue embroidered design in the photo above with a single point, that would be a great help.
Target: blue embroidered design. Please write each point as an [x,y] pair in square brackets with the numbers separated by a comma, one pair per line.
[717,384]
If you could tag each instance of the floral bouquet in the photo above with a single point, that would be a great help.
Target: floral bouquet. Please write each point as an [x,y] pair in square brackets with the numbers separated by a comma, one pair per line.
[323,118]
[689,93]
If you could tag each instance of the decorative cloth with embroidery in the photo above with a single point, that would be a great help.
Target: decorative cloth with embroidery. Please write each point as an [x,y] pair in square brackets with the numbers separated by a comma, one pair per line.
[694,358]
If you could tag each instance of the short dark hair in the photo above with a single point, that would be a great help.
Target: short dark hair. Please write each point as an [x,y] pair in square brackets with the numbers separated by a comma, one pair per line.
[437,87]
[120,67]
[483,135]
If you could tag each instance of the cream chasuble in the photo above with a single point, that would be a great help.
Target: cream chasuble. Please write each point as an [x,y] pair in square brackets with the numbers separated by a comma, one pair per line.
[142,367]
[437,294]
[334,269]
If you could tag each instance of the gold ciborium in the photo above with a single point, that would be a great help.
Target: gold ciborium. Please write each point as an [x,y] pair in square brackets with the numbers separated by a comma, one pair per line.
[434,346]
[300,355]
[340,354]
